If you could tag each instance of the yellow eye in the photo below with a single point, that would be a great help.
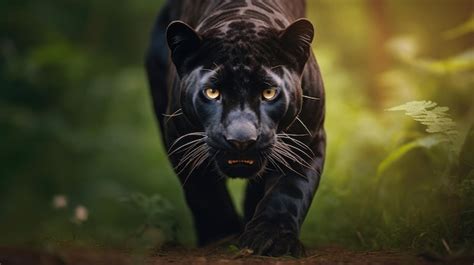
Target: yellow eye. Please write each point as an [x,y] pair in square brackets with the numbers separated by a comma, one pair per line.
[212,93]
[269,93]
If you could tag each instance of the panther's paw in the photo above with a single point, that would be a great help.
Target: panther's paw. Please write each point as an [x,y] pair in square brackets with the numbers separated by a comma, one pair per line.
[271,240]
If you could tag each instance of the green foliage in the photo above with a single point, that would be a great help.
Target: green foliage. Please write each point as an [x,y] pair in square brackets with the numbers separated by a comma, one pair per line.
[434,117]
[402,151]
[158,213]
[388,184]
[437,122]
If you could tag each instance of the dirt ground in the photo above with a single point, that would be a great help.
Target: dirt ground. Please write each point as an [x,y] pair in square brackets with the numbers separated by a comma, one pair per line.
[182,256]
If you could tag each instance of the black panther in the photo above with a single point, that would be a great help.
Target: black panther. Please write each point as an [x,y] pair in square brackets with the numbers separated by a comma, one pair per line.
[238,93]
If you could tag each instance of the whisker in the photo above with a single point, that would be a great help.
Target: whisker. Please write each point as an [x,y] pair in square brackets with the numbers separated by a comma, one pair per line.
[197,162]
[312,98]
[302,161]
[284,163]
[189,149]
[299,150]
[192,143]
[280,159]
[274,163]
[189,157]
[264,168]
[269,164]
[203,158]
[279,156]
[298,143]
[287,152]
[302,123]
[192,162]
[296,134]
[184,136]
[177,113]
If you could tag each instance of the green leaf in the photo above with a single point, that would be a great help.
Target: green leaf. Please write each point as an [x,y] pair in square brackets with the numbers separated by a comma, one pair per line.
[400,152]
[434,117]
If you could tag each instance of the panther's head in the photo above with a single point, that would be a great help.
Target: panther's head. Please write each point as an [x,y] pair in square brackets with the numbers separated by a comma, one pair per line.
[241,87]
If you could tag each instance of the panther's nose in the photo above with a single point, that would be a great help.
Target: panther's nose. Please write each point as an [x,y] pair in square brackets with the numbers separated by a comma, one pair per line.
[242,145]
[241,134]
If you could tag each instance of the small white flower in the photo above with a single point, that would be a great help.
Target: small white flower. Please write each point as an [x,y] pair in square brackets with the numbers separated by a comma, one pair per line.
[59,201]
[80,214]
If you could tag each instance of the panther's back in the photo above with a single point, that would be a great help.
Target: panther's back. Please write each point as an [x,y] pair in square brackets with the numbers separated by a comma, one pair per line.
[202,13]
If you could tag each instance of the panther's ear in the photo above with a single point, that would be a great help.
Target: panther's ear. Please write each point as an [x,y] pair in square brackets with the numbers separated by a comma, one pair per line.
[183,41]
[296,39]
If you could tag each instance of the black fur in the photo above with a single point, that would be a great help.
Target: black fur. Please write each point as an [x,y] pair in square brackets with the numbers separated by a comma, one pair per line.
[241,48]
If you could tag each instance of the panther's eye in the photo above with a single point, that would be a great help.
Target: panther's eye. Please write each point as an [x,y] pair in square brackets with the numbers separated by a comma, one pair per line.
[269,94]
[212,93]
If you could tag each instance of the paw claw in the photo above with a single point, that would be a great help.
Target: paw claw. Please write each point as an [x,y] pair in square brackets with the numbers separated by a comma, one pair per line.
[268,240]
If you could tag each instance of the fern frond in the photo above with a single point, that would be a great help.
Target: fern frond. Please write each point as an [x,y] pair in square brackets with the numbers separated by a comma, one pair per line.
[434,117]
[438,123]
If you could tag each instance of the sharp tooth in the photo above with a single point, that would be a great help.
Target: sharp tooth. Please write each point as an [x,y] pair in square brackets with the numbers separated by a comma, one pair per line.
[240,161]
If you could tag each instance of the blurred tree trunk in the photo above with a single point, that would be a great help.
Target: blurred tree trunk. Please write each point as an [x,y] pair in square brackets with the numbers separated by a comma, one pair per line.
[379,61]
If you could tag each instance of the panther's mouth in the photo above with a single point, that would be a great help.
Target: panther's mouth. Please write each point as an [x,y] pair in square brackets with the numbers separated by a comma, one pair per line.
[239,166]
[246,162]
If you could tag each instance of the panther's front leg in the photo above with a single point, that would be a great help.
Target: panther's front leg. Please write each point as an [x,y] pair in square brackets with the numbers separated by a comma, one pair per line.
[214,215]
[275,226]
